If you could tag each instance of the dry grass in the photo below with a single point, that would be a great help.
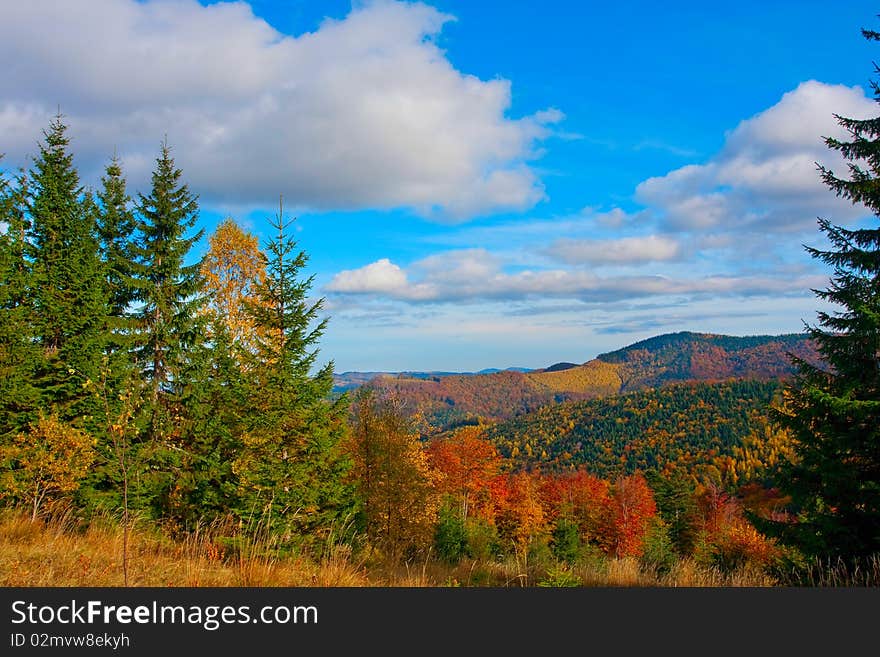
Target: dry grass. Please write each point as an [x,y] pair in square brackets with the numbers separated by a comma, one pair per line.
[57,553]
[839,573]
[61,552]
[687,573]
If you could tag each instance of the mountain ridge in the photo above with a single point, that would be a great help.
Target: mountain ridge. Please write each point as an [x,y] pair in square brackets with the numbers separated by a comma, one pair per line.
[657,361]
[354,378]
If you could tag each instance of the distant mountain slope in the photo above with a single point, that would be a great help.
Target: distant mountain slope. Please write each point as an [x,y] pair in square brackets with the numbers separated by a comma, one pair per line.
[592,379]
[676,357]
[348,380]
[559,367]
[689,356]
[679,426]
[450,400]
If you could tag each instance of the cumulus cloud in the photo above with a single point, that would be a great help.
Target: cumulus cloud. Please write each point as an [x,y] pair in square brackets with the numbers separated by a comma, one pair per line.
[764,178]
[382,277]
[626,250]
[363,112]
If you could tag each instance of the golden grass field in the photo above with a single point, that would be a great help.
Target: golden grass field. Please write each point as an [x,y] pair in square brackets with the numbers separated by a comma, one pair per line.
[62,552]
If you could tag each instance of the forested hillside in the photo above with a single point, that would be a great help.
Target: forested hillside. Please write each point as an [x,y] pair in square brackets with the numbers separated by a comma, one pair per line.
[689,356]
[677,427]
[676,357]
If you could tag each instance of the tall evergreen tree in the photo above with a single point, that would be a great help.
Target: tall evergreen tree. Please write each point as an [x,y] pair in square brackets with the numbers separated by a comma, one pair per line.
[834,411]
[215,392]
[67,290]
[291,466]
[118,378]
[167,287]
[19,399]
[168,327]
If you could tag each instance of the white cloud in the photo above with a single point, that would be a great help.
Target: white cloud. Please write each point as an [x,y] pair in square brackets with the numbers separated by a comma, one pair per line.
[523,237]
[724,273]
[363,112]
[765,177]
[460,267]
[473,276]
[626,250]
[380,276]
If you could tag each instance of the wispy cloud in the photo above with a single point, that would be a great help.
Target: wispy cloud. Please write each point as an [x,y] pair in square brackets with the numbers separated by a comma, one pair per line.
[625,250]
[473,275]
[659,145]
[654,323]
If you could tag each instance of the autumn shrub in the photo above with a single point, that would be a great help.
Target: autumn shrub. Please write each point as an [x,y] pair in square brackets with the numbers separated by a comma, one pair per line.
[739,544]
[725,538]
[483,542]
[45,464]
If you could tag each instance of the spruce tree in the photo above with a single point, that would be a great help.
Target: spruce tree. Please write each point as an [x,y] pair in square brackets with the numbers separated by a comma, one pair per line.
[118,381]
[291,468]
[167,287]
[215,397]
[167,327]
[215,391]
[116,227]
[67,287]
[833,410]
[19,399]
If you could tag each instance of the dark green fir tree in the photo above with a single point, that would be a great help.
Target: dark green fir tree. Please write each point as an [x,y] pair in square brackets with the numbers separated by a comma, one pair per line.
[67,282]
[166,286]
[19,398]
[167,326]
[833,410]
[291,470]
[118,384]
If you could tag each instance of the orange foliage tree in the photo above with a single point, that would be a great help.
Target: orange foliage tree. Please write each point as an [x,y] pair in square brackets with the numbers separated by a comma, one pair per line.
[728,539]
[394,480]
[468,463]
[583,499]
[520,515]
[631,509]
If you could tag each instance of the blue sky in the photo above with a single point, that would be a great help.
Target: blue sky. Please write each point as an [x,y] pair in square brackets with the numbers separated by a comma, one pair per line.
[477,184]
